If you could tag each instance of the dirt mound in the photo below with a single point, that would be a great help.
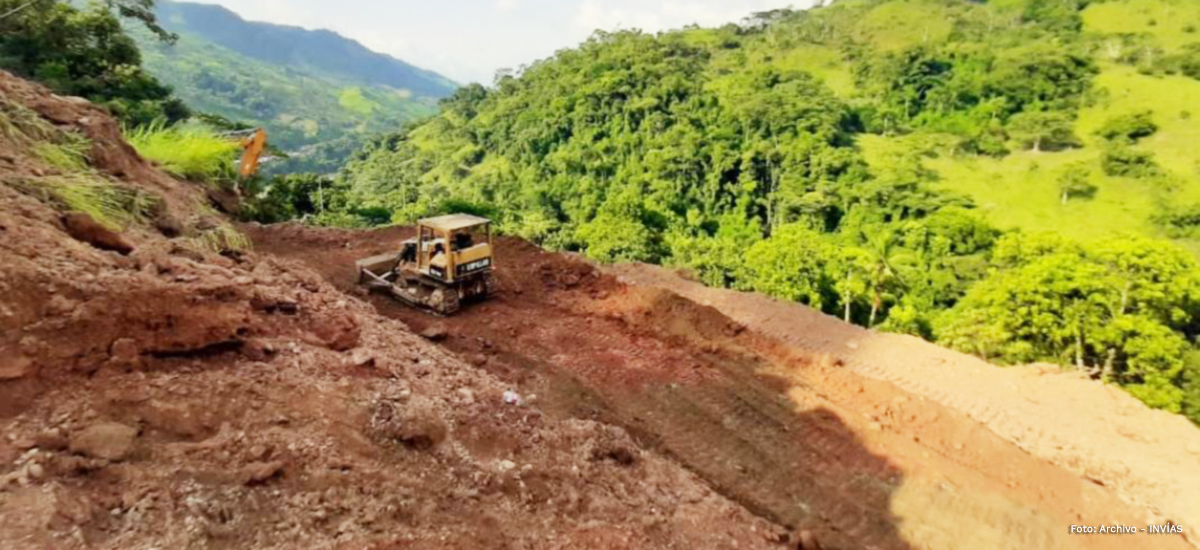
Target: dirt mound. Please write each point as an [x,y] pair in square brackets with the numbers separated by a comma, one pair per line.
[796,437]
[178,397]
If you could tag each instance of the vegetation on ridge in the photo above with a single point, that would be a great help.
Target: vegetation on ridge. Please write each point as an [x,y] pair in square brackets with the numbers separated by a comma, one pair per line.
[192,151]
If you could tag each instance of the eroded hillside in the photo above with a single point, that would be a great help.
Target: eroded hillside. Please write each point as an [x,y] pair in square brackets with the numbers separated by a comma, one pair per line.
[164,395]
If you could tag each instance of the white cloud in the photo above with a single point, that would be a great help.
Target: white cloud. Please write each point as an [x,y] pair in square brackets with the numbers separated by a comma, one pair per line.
[659,15]
[507,5]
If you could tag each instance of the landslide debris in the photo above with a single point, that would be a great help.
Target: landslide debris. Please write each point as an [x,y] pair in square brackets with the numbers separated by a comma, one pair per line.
[174,394]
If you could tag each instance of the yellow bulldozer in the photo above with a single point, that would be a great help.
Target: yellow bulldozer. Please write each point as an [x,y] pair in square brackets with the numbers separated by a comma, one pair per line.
[447,263]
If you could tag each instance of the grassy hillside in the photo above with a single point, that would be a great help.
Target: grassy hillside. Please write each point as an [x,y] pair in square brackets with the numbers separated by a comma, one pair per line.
[318,107]
[1016,191]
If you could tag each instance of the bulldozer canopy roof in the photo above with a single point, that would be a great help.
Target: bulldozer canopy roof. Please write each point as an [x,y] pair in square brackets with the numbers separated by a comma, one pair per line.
[454,222]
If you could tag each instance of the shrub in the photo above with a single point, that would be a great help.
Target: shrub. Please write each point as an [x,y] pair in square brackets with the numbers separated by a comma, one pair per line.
[1186,62]
[1191,386]
[1041,130]
[1128,127]
[1123,161]
[1180,220]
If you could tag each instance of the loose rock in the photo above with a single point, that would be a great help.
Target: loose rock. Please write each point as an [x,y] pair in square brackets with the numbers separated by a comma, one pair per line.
[83,228]
[13,367]
[362,359]
[435,333]
[261,472]
[51,440]
[124,352]
[109,441]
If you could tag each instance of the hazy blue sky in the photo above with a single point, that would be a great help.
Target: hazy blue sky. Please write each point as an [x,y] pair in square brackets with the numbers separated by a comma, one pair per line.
[467,40]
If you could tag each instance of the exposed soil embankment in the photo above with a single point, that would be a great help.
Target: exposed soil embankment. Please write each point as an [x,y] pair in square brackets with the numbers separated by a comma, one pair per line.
[158,394]
[795,435]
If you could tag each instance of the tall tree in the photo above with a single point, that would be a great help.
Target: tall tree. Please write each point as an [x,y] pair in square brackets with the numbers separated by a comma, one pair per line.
[85,52]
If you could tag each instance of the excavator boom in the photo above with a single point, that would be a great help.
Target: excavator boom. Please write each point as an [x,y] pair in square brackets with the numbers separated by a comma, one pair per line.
[254,145]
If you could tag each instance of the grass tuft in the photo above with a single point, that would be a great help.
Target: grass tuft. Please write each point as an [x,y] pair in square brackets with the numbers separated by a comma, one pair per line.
[191,151]
[62,149]
[69,153]
[20,124]
[111,206]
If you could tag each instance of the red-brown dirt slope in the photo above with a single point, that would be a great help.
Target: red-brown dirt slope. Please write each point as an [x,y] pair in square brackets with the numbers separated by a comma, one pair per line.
[160,391]
[795,435]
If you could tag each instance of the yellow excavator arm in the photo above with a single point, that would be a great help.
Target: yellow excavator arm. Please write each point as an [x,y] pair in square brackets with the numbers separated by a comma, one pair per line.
[254,145]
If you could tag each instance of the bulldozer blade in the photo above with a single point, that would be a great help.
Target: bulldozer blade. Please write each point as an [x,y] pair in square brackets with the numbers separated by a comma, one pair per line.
[371,280]
[377,267]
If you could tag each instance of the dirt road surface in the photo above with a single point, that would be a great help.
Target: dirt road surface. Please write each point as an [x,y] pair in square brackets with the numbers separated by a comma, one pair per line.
[807,436]
[1148,457]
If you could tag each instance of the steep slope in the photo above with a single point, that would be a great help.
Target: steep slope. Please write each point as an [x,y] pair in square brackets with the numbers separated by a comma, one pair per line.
[162,387]
[1087,427]
[155,393]
[795,415]
[318,94]
[1128,35]
[668,124]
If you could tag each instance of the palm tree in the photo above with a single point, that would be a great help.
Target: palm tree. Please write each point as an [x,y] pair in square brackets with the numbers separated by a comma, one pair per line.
[852,262]
[884,261]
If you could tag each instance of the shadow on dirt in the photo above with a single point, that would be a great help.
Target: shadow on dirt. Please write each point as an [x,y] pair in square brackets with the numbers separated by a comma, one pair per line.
[806,470]
[711,407]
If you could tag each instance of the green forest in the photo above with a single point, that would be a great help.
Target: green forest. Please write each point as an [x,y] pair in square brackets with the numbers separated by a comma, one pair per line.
[1015,179]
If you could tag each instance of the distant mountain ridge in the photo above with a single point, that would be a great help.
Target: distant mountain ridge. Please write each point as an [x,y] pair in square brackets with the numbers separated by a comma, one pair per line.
[324,50]
[319,95]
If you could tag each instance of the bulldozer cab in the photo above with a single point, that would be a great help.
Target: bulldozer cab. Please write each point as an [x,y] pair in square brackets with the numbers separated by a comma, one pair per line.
[450,248]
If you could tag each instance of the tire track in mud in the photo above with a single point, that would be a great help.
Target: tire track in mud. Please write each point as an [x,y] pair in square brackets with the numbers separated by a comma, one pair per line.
[1100,433]
[794,438]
